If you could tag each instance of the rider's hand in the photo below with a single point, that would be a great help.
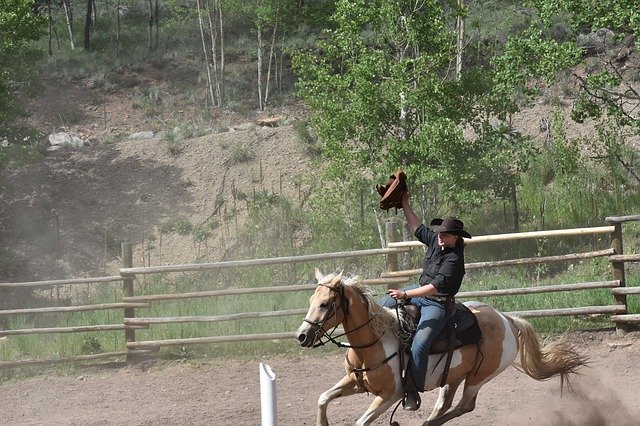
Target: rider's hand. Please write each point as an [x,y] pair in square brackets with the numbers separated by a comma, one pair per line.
[397,294]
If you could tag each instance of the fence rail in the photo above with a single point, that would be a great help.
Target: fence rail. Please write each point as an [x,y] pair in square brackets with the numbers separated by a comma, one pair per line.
[392,277]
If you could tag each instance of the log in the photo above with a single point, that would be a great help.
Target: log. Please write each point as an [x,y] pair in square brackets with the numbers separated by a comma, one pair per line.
[249,290]
[216,293]
[626,318]
[585,310]
[254,262]
[538,289]
[79,329]
[216,318]
[212,339]
[82,308]
[72,281]
[512,262]
[518,236]
[92,357]
[536,260]
[619,219]
[624,258]
[626,290]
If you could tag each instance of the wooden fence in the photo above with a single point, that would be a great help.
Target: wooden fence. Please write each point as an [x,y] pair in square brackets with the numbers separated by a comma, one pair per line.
[392,277]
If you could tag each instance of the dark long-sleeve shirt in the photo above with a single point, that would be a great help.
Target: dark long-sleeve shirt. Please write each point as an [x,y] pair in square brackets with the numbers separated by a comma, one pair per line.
[442,268]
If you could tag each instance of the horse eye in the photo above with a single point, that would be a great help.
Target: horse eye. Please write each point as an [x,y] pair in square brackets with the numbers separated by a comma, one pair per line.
[323,305]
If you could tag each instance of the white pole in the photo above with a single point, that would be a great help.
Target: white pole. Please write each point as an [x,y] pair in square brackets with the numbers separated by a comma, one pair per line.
[268,395]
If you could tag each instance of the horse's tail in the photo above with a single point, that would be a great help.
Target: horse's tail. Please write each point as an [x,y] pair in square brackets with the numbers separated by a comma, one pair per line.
[541,363]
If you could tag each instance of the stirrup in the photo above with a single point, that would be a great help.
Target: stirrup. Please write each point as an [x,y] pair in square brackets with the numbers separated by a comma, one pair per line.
[411,401]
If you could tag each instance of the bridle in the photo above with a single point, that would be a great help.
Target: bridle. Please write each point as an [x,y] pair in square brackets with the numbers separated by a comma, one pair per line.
[338,290]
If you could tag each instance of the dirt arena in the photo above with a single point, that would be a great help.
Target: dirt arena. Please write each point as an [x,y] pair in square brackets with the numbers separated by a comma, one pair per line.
[227,392]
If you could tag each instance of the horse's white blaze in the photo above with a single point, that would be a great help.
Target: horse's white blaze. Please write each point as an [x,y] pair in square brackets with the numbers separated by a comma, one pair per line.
[304,327]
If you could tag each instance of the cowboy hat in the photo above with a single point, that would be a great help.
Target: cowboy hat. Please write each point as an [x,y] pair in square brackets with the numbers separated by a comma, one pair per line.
[449,225]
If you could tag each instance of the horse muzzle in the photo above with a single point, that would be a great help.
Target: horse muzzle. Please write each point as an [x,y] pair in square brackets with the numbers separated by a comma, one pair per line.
[308,334]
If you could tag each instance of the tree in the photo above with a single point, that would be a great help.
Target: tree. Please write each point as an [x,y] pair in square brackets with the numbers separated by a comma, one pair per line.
[595,49]
[19,26]
[384,92]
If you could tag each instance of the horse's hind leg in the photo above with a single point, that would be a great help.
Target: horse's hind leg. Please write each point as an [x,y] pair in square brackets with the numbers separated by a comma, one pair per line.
[345,387]
[445,399]
[466,404]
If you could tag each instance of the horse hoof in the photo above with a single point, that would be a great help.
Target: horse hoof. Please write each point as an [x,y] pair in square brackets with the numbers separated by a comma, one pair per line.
[394,423]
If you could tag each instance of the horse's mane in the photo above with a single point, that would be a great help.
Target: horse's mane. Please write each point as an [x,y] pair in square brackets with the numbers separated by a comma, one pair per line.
[383,319]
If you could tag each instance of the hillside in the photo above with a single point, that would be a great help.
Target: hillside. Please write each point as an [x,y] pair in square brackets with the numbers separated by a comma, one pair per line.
[66,216]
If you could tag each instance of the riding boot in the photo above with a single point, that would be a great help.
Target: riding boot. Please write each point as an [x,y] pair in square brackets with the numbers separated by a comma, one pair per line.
[411,396]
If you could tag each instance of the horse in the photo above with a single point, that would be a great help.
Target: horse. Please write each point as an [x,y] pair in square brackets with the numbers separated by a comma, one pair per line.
[374,362]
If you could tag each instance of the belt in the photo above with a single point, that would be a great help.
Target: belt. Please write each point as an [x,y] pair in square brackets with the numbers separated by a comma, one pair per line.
[440,298]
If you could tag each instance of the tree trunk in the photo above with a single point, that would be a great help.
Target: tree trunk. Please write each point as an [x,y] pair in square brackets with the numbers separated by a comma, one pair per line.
[87,25]
[50,27]
[213,33]
[150,37]
[516,212]
[157,22]
[219,3]
[261,105]
[68,12]
[273,44]
[205,53]
[460,45]
[117,49]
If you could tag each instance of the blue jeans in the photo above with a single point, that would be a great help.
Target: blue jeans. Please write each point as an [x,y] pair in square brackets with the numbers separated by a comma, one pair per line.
[433,318]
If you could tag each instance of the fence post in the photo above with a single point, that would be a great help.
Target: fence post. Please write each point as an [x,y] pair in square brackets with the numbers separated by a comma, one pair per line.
[618,272]
[391,235]
[127,287]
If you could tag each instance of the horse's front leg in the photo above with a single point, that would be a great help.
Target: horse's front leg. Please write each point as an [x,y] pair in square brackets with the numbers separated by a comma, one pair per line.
[380,404]
[345,387]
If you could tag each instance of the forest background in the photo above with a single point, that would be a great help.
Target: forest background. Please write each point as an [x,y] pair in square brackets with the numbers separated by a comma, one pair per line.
[515,116]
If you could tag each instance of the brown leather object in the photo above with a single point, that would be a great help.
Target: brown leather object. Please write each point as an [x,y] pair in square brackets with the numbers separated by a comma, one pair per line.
[392,191]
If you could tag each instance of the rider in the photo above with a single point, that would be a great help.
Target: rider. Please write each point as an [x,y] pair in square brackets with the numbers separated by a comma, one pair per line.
[442,275]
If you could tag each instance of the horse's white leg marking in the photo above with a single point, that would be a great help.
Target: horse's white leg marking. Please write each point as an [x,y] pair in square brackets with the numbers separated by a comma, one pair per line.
[345,387]
[379,405]
[445,399]
[467,403]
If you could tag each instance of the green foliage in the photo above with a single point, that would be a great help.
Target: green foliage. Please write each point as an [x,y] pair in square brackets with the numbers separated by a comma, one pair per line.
[305,136]
[382,97]
[240,153]
[603,94]
[175,224]
[528,57]
[19,28]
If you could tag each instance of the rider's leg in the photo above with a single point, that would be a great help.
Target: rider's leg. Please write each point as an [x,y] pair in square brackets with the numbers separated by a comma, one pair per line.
[432,320]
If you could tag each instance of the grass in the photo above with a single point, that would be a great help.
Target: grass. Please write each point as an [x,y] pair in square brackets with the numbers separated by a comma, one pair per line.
[72,344]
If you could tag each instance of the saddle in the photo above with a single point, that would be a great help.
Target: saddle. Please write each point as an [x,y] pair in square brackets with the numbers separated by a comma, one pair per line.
[465,326]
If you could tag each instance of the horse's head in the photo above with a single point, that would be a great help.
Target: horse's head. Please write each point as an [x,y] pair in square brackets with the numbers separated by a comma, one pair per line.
[327,309]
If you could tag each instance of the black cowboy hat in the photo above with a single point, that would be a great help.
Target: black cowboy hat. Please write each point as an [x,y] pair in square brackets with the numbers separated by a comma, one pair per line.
[449,225]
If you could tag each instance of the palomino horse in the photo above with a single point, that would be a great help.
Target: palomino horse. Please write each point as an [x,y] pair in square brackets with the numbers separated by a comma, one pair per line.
[372,365]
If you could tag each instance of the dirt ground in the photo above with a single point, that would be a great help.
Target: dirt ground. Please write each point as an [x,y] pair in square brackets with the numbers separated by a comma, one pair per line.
[227,392]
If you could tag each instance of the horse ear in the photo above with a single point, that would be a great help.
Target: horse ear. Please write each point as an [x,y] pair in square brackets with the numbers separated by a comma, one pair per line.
[338,277]
[319,275]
